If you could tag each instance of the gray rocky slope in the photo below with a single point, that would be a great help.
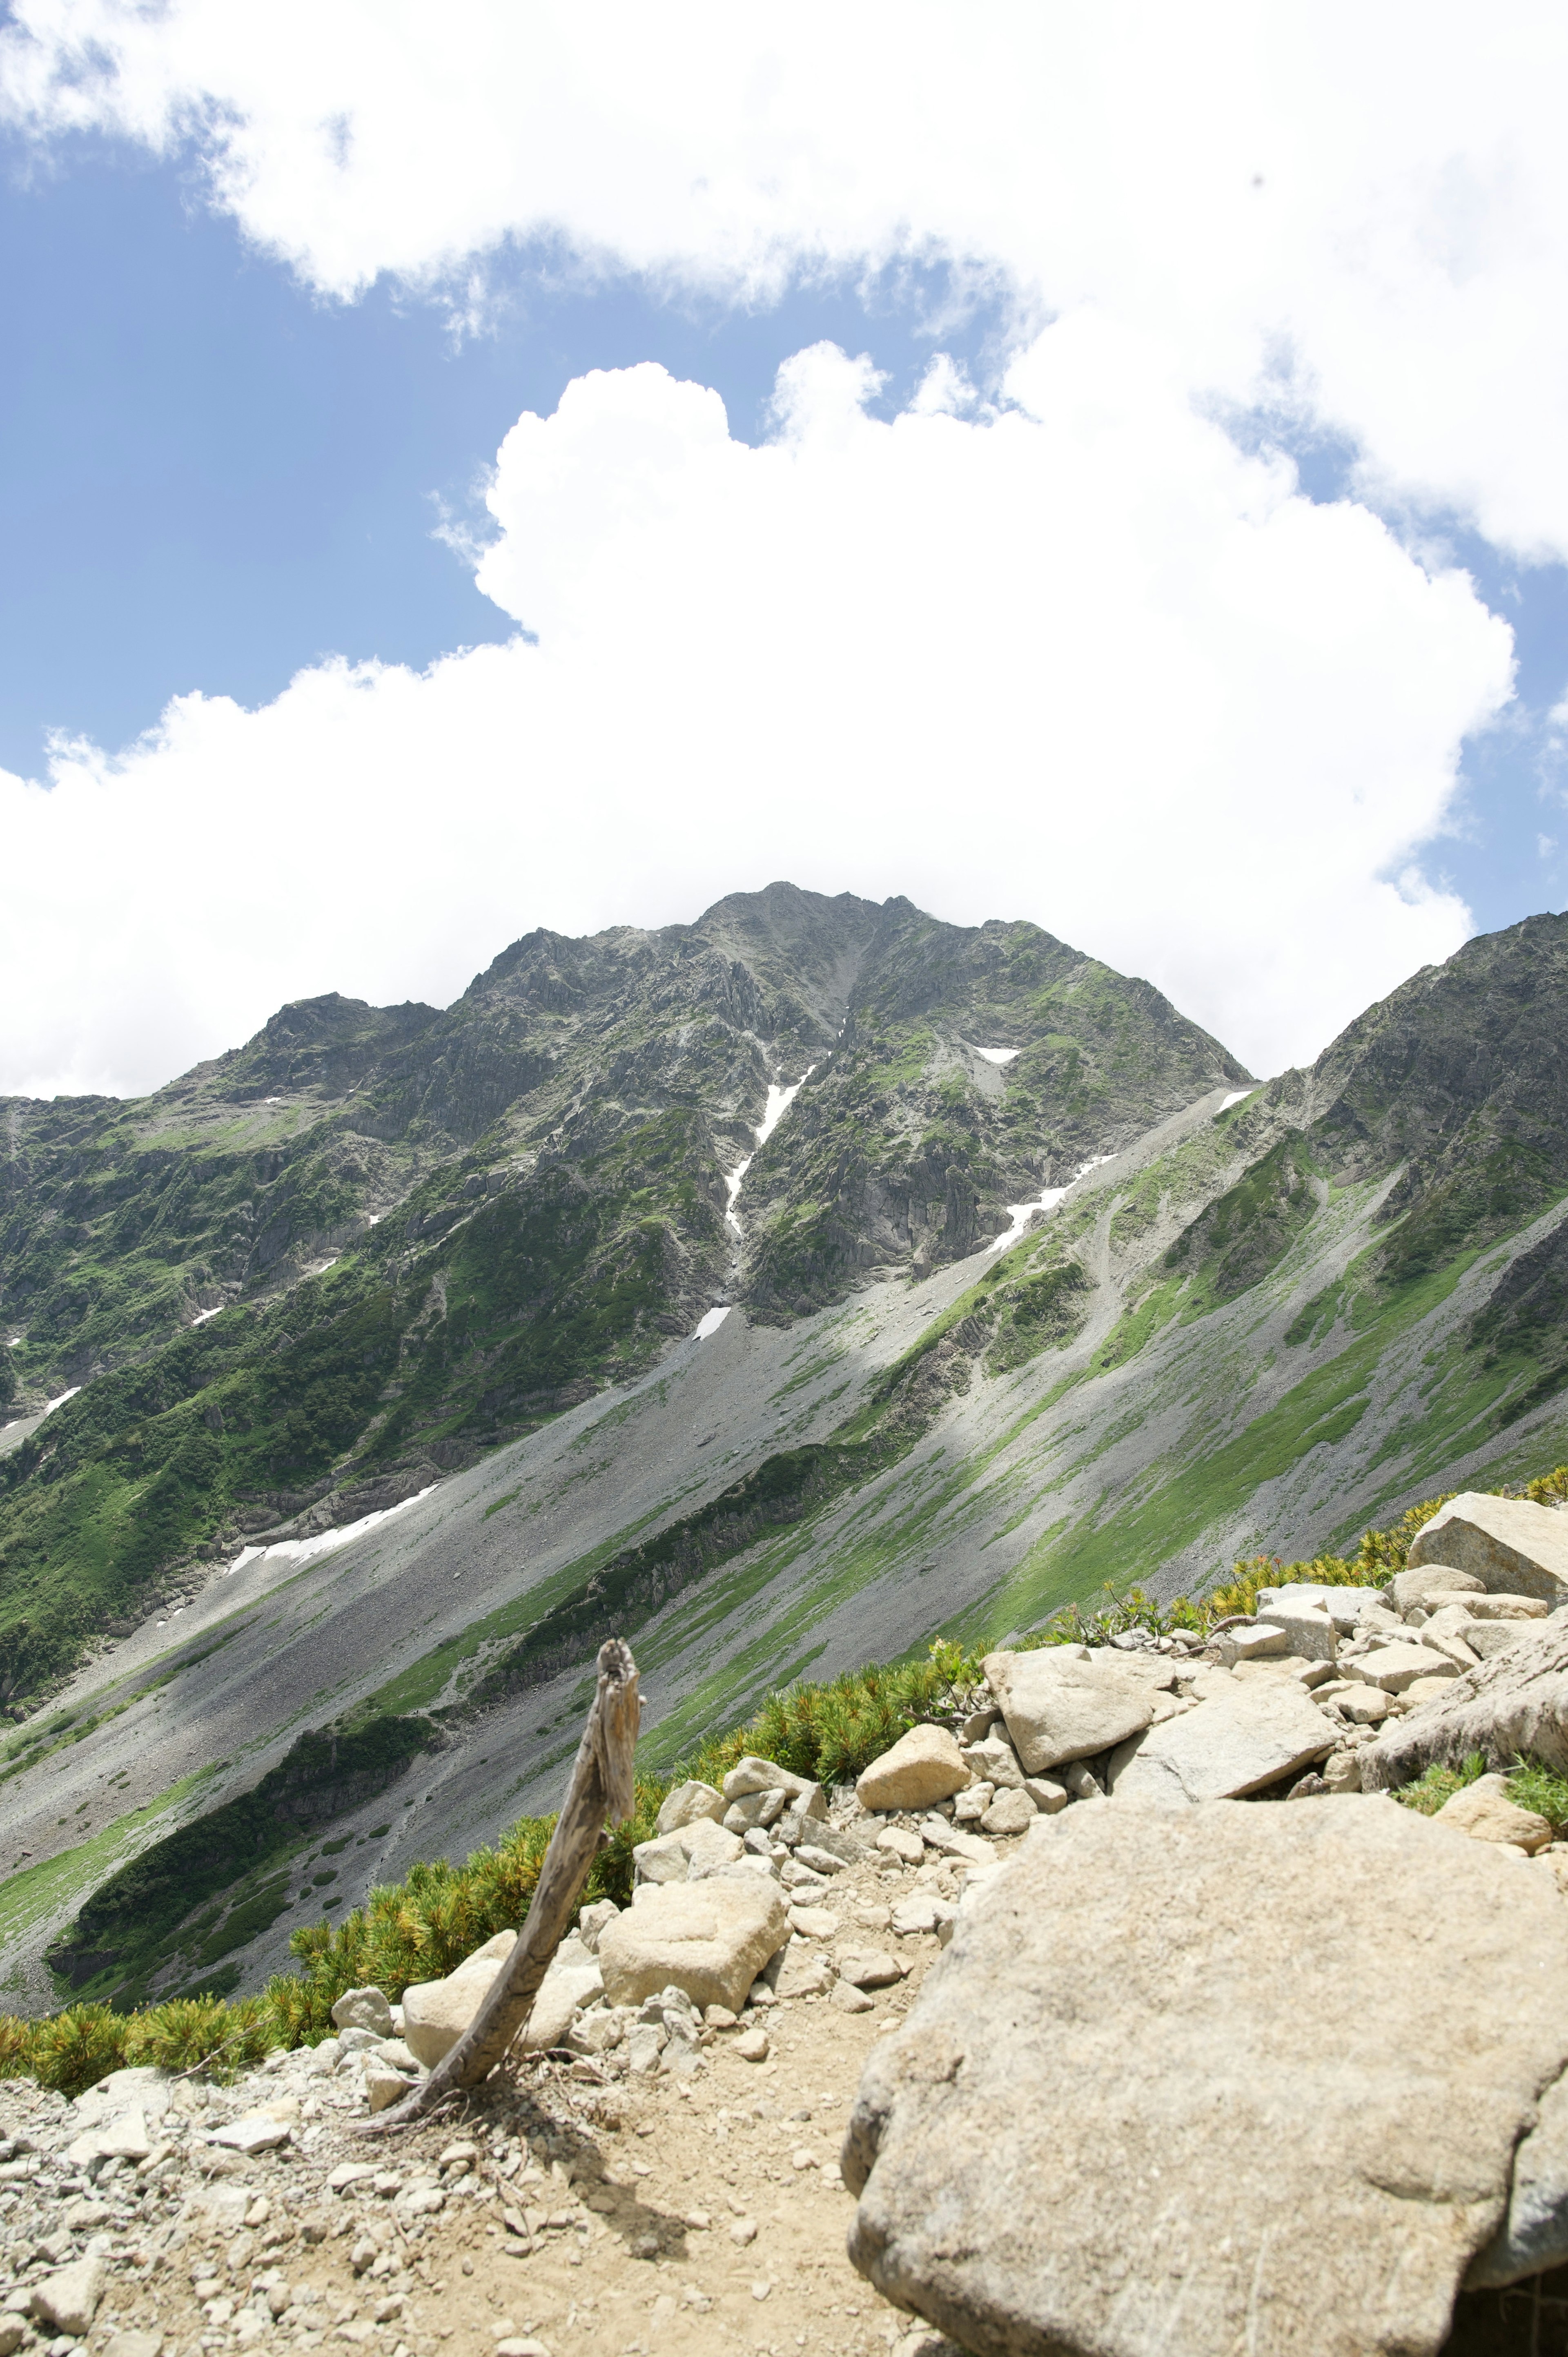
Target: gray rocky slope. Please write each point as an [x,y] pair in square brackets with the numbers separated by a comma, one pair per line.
[1264,1318]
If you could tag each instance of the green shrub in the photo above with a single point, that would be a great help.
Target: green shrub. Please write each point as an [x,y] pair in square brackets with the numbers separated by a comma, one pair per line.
[1540,1789]
[77,2047]
[192,2033]
[1428,1793]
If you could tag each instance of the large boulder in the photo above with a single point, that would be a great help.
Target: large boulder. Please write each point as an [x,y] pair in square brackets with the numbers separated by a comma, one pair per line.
[669,1857]
[923,1767]
[1516,1701]
[1507,1542]
[437,2013]
[1244,1736]
[711,1939]
[1060,1705]
[1145,2012]
[688,1802]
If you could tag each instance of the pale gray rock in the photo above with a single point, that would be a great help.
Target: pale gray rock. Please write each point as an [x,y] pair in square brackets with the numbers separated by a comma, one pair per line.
[1425,1583]
[1394,1667]
[1047,1794]
[1484,1811]
[69,2298]
[1308,1633]
[867,1968]
[1344,1606]
[689,1801]
[1046,2153]
[1535,2235]
[1060,1706]
[1010,1813]
[923,1766]
[1507,1608]
[805,1971]
[951,1841]
[711,1939]
[752,1774]
[363,2009]
[671,1857]
[144,2089]
[1515,1703]
[994,1762]
[1236,1742]
[1509,1543]
[754,1811]
[1486,1638]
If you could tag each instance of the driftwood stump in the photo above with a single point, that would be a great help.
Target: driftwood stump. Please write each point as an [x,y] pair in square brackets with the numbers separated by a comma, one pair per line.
[600,1790]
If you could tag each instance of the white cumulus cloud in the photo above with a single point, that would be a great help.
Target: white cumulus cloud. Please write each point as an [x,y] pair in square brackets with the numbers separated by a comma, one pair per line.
[1076,658]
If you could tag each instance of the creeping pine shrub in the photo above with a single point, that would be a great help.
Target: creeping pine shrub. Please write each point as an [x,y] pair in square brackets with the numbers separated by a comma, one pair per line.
[419,1929]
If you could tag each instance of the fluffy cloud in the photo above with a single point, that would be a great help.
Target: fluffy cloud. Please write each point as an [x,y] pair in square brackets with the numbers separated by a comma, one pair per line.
[1374,201]
[1076,658]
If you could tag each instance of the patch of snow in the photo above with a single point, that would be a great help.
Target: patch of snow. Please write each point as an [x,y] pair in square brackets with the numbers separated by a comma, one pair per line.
[301,1550]
[272,1100]
[62,1399]
[1236,1096]
[778,1103]
[1020,1214]
[375,1217]
[14,1343]
[322,1266]
[202,1316]
[711,1323]
[999,1055]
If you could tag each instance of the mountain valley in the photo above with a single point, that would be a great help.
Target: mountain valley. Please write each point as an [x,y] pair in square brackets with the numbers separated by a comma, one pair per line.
[400,1356]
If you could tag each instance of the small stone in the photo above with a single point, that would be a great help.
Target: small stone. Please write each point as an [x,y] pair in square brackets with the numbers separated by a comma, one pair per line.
[870,1968]
[69,2298]
[1011,1812]
[348,2173]
[924,1766]
[253,2132]
[899,1842]
[384,2086]
[688,1802]
[363,2009]
[872,1916]
[1484,1811]
[1342,1773]
[1047,1794]
[820,1861]
[751,1774]
[752,2046]
[848,1999]
[119,2344]
[1394,1667]
[743,2231]
[1366,1706]
[813,1923]
[1419,1690]
[760,2290]
[719,2017]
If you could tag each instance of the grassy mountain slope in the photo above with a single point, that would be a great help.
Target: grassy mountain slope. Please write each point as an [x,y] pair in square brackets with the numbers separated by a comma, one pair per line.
[1273,1323]
[315,1274]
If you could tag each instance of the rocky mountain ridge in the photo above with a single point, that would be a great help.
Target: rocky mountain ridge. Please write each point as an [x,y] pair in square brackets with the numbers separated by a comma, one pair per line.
[1254,1317]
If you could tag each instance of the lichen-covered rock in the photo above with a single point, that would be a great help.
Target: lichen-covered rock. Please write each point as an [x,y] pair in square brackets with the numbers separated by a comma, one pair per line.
[1048,2151]
[923,1767]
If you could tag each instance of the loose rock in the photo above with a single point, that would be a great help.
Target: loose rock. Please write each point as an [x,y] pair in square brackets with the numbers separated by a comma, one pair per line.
[1060,1705]
[924,1766]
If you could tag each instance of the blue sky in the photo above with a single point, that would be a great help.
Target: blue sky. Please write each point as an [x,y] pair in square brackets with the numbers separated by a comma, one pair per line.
[213,477]
[1034,637]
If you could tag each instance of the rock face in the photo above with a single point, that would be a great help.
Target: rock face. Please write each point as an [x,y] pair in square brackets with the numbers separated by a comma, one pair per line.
[923,1767]
[1506,1543]
[1059,1705]
[1515,1703]
[1235,1742]
[711,1939]
[1047,2153]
